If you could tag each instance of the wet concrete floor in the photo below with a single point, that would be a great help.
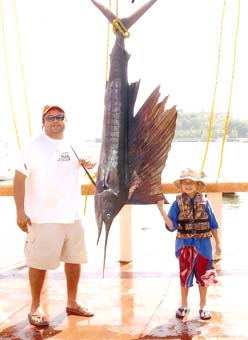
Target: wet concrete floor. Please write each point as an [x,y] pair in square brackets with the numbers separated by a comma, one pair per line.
[135,300]
[129,303]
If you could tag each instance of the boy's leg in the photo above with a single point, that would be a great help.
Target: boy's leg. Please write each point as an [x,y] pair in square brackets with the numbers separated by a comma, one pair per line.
[184,297]
[204,313]
[203,296]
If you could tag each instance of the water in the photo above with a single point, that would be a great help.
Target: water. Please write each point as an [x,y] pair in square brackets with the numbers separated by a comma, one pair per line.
[234,229]
[12,238]
[191,154]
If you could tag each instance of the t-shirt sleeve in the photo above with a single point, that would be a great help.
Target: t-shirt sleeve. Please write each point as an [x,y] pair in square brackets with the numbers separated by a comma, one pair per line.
[212,219]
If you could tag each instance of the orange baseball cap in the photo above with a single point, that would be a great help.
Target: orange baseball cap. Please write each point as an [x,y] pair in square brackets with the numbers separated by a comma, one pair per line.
[47,108]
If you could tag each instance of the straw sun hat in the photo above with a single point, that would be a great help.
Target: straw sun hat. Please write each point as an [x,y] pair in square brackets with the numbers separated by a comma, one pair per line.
[192,175]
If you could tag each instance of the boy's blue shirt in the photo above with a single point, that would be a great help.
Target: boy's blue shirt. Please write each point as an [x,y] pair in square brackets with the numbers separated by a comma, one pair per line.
[202,245]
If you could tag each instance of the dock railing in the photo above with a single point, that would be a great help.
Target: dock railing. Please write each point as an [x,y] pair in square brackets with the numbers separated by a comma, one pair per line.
[214,192]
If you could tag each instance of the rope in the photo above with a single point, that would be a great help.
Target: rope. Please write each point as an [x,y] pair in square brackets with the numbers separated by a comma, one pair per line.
[22,69]
[117,26]
[215,88]
[107,49]
[94,176]
[231,90]
[8,76]
[116,8]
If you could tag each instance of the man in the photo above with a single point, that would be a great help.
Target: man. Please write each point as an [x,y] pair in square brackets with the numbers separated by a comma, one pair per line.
[47,193]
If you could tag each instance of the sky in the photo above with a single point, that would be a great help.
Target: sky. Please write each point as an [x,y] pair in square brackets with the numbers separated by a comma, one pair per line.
[64,47]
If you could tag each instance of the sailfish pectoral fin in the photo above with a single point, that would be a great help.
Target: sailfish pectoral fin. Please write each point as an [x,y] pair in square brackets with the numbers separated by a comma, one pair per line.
[151,136]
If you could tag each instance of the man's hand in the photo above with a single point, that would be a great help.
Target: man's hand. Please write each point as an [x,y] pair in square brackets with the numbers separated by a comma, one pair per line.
[23,221]
[88,164]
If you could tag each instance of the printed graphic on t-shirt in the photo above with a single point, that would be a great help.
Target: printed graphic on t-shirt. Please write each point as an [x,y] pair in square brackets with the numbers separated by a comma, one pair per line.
[63,156]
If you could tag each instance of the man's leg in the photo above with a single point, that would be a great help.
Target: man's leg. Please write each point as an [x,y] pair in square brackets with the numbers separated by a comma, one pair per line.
[72,272]
[36,280]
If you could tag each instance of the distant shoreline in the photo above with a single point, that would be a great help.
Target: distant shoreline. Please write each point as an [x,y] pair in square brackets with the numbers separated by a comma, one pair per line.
[190,140]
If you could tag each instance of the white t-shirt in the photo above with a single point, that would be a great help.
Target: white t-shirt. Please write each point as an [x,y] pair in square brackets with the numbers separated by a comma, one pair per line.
[52,186]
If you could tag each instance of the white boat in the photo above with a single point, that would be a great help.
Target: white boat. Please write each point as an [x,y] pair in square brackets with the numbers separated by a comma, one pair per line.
[6,166]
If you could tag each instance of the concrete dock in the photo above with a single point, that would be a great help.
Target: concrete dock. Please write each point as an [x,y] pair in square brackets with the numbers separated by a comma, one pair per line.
[135,300]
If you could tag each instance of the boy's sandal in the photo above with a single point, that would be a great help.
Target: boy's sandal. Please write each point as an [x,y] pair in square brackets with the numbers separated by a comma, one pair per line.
[204,314]
[181,312]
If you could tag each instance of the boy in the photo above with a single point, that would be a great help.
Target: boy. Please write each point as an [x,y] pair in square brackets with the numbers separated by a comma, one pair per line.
[193,218]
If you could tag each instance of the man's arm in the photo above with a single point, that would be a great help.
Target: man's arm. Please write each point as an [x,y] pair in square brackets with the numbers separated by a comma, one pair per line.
[19,193]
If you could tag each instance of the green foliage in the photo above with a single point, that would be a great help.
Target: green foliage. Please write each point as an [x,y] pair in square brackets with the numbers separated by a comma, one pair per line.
[194,127]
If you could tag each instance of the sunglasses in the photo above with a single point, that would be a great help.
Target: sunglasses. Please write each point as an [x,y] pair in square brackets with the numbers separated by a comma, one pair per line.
[52,118]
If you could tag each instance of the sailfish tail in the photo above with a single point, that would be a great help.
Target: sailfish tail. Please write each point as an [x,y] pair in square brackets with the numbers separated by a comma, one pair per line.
[129,21]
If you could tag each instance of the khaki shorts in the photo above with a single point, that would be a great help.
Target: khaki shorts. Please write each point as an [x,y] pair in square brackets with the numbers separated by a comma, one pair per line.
[49,243]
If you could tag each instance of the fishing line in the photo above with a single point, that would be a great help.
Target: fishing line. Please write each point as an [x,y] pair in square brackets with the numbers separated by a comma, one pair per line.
[87,172]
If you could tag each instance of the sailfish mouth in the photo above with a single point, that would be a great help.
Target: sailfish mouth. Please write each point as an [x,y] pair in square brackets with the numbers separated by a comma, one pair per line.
[105,217]
[99,221]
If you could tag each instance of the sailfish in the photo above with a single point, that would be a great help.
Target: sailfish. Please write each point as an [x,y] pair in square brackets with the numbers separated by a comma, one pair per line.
[134,148]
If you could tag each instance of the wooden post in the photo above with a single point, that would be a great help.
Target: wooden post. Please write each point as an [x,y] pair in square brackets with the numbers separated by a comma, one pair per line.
[126,234]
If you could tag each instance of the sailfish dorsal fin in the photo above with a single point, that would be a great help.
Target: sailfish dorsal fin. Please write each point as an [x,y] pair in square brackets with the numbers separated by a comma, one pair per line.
[151,135]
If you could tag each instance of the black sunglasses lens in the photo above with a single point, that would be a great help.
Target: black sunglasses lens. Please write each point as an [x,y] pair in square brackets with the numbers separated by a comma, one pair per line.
[52,118]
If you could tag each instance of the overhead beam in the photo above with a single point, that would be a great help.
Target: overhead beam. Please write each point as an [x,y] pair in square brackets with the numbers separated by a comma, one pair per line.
[6,188]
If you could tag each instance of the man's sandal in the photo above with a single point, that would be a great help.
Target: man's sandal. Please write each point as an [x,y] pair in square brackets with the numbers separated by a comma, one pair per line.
[79,311]
[204,314]
[38,320]
[181,312]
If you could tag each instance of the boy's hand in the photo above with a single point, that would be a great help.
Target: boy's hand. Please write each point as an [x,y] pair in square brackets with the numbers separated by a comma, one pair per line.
[160,204]
[217,249]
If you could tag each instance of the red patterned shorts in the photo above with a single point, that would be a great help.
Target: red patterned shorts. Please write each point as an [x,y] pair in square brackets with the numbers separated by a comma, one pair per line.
[192,264]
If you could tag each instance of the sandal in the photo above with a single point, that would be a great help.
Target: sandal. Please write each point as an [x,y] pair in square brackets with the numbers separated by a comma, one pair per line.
[79,311]
[38,320]
[204,314]
[181,312]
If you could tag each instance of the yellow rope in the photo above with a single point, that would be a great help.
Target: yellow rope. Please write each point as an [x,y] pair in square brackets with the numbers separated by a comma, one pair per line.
[119,26]
[116,8]
[215,88]
[22,69]
[93,175]
[7,76]
[107,49]
[230,94]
